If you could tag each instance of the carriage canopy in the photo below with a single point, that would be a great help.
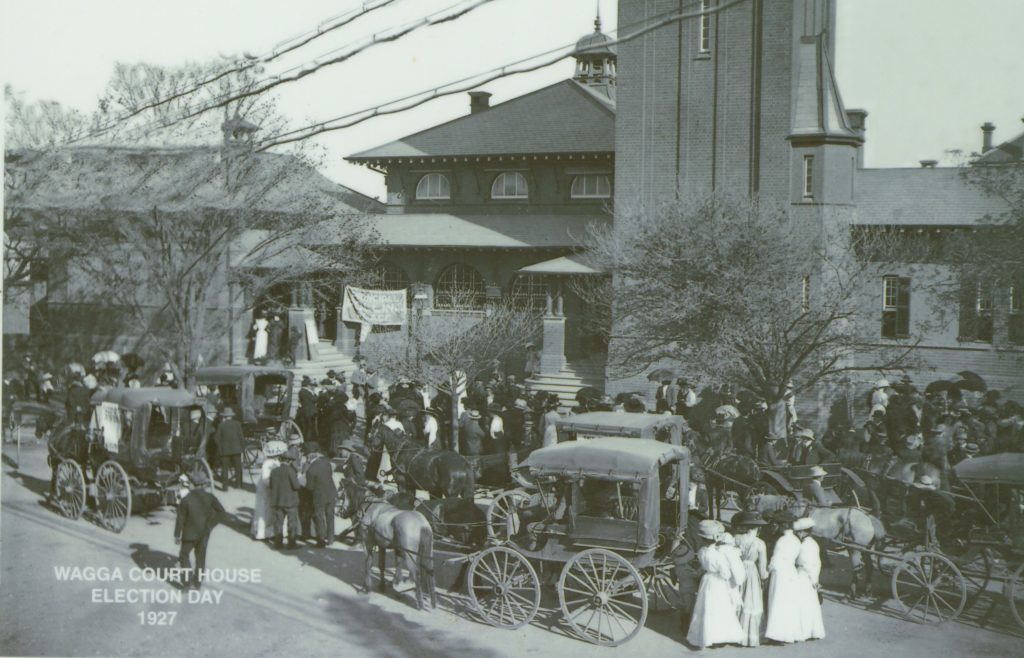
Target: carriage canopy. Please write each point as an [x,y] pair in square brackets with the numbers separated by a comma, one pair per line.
[142,425]
[605,458]
[610,423]
[256,393]
[1007,468]
[135,398]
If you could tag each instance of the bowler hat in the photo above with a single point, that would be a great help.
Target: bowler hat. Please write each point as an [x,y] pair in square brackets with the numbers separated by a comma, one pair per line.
[473,413]
[926,482]
[227,412]
[805,433]
[972,449]
[748,519]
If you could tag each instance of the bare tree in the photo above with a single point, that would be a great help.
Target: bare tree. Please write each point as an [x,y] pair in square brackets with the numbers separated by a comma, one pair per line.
[446,350]
[725,286]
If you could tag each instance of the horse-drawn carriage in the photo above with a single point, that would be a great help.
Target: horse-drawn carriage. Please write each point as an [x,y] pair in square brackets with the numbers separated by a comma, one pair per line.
[138,442]
[261,398]
[602,511]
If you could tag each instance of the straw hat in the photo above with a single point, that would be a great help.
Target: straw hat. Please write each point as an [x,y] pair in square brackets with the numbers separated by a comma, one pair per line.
[926,482]
[806,433]
[882,383]
[817,472]
[275,448]
[803,523]
[710,529]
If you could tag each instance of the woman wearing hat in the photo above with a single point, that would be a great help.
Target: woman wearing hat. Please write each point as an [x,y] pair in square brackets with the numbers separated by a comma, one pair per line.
[262,526]
[714,613]
[808,567]
[754,554]
[783,615]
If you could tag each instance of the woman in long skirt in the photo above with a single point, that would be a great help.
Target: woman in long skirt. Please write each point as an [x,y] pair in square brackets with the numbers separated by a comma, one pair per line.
[727,545]
[755,567]
[784,591]
[808,566]
[714,614]
[262,526]
[262,339]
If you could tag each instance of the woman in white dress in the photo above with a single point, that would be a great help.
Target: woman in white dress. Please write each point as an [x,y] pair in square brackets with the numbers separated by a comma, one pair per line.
[808,566]
[262,526]
[714,613]
[727,545]
[755,566]
[784,591]
[262,339]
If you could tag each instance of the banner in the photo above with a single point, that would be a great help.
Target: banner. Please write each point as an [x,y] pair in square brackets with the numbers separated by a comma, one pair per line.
[373,307]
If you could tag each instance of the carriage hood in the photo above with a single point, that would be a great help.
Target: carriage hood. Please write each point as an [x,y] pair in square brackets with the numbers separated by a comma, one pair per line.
[605,458]
[136,398]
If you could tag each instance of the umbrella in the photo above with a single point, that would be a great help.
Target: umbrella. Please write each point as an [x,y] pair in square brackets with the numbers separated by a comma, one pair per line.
[76,368]
[133,361]
[106,356]
[661,374]
[971,385]
[940,385]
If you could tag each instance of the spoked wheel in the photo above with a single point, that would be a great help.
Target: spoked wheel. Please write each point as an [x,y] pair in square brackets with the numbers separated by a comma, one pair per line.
[929,588]
[250,454]
[503,587]
[662,586]
[70,489]
[201,468]
[289,431]
[1015,595]
[977,572]
[113,496]
[503,519]
[602,597]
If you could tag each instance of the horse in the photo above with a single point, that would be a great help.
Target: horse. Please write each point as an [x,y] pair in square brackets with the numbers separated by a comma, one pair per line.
[852,527]
[442,473]
[458,518]
[409,533]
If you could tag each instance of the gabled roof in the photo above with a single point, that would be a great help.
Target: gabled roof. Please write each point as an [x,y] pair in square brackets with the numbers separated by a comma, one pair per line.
[1005,153]
[938,197]
[574,264]
[514,231]
[565,117]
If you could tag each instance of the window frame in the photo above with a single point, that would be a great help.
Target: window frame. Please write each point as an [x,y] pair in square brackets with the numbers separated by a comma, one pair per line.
[434,175]
[503,176]
[896,295]
[528,292]
[704,29]
[808,177]
[582,178]
[805,293]
[477,287]
[976,320]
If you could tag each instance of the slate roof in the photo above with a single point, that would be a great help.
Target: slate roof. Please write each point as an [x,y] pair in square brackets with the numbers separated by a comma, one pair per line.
[925,197]
[1009,151]
[519,231]
[565,117]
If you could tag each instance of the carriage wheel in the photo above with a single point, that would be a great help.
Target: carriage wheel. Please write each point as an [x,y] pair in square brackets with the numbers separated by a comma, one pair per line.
[200,466]
[977,573]
[1015,595]
[929,588]
[503,515]
[70,489]
[113,496]
[289,431]
[503,587]
[603,597]
[250,455]
[662,586]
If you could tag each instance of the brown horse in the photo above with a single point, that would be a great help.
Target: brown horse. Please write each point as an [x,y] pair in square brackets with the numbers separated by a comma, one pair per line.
[851,527]
[442,473]
[409,533]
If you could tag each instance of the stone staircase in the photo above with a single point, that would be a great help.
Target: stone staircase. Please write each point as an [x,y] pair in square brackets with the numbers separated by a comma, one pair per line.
[570,380]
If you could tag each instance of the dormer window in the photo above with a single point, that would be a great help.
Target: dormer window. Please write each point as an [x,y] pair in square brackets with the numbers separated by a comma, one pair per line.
[509,185]
[591,186]
[433,187]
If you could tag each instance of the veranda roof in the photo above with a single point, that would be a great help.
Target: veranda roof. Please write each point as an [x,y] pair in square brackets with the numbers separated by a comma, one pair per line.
[564,265]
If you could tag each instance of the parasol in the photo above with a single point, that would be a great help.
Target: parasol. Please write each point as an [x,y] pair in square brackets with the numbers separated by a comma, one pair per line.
[133,361]
[106,356]
[940,386]
[661,374]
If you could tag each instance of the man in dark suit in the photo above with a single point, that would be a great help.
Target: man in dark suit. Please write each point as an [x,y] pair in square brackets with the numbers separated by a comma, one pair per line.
[285,485]
[306,413]
[807,451]
[229,441]
[472,436]
[198,512]
[320,484]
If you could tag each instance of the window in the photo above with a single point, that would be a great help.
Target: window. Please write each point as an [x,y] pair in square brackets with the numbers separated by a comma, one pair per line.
[591,186]
[808,176]
[895,307]
[1015,318]
[459,287]
[509,185]
[529,292]
[388,276]
[433,186]
[805,294]
[975,311]
[705,26]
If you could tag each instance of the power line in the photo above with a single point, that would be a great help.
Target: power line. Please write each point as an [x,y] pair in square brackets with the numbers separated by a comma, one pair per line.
[281,48]
[466,84]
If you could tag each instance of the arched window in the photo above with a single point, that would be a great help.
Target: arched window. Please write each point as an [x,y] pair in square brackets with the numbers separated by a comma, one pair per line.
[388,276]
[459,286]
[509,185]
[434,186]
[591,186]
[529,292]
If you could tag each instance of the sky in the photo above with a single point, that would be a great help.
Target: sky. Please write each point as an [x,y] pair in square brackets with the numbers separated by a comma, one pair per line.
[929,72]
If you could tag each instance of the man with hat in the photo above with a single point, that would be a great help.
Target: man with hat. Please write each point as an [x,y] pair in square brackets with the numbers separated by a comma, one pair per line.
[962,450]
[229,440]
[305,415]
[931,504]
[807,451]
[770,452]
[323,493]
[472,435]
[813,490]
[385,421]
[876,433]
[285,485]
[514,421]
[198,512]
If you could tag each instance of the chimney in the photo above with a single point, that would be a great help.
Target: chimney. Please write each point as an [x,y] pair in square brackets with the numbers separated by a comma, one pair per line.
[929,164]
[479,101]
[986,136]
[857,120]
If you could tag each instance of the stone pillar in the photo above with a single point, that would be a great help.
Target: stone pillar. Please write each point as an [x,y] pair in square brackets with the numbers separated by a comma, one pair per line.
[552,353]
[239,335]
[307,350]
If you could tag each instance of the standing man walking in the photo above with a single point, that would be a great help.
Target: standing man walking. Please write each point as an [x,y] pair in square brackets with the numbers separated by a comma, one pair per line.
[198,512]
[229,448]
[320,484]
[285,485]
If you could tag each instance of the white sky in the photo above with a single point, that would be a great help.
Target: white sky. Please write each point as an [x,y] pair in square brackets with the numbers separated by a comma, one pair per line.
[929,72]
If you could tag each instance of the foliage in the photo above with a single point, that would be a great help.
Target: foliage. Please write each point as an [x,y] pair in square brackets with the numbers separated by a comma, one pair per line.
[719,285]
